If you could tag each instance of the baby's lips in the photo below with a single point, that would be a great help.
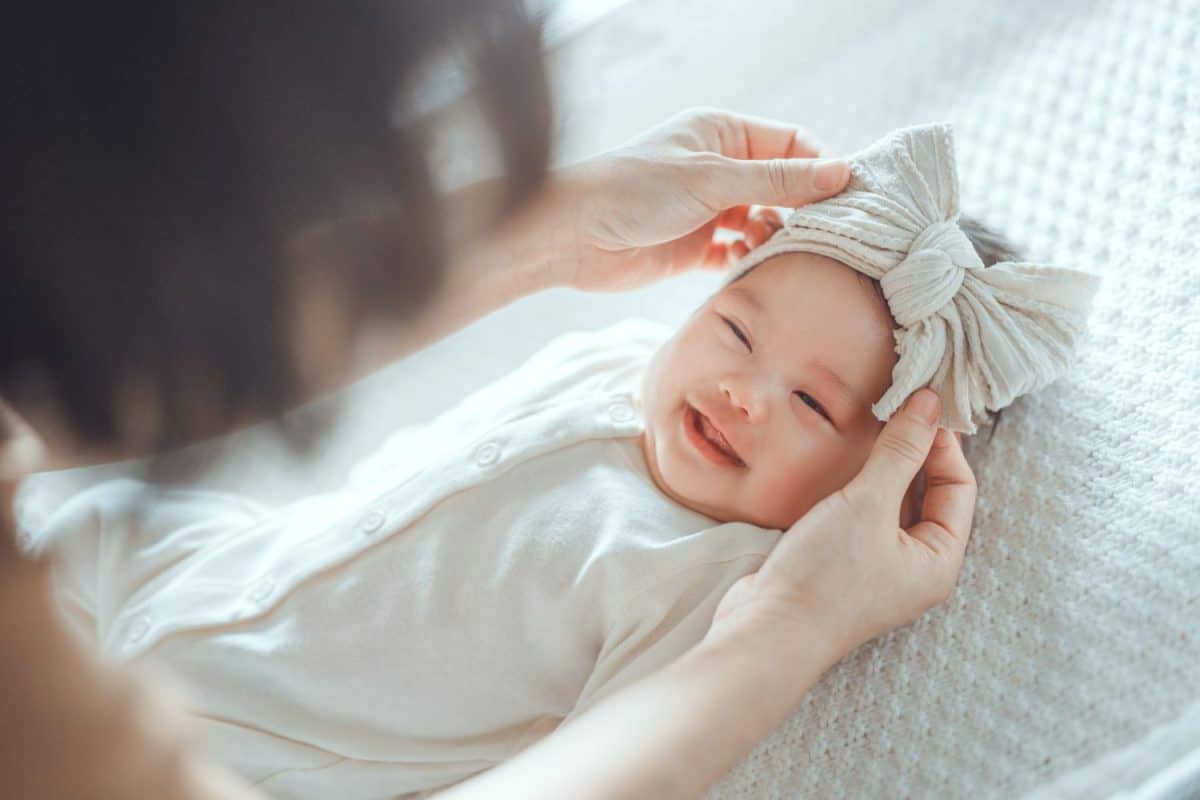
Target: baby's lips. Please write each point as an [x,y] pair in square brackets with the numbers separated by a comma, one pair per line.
[734,451]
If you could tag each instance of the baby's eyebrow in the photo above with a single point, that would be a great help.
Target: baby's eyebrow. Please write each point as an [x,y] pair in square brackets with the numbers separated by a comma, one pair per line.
[844,389]
[746,295]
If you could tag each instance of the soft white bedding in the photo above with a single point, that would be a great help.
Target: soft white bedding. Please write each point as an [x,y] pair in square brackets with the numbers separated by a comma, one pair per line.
[1071,649]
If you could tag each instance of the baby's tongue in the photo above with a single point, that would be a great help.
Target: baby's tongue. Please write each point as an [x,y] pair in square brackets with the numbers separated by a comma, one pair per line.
[714,436]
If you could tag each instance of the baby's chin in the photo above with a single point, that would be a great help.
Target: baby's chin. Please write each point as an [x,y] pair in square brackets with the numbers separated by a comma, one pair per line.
[746,515]
[772,521]
[651,440]
[719,512]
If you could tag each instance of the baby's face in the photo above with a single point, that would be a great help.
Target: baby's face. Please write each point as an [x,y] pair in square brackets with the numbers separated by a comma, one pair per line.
[810,323]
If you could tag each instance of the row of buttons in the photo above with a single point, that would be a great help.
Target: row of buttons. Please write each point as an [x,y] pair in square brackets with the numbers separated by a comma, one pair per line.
[621,411]
[261,591]
[486,454]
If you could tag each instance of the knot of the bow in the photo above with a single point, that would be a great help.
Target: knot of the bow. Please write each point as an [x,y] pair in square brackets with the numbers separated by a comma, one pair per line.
[929,277]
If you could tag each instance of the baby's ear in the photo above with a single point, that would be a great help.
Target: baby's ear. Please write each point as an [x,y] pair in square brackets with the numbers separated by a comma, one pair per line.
[910,506]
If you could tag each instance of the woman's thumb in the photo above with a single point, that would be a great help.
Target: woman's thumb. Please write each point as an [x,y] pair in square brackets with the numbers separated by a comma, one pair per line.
[789,182]
[902,447]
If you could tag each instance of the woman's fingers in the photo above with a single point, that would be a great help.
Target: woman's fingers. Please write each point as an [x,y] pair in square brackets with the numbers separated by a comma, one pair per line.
[910,506]
[755,227]
[739,218]
[716,256]
[733,218]
[761,226]
[772,216]
[949,505]
[751,137]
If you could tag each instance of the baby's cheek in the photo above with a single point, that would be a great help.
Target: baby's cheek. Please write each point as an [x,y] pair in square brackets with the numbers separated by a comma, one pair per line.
[787,495]
[807,480]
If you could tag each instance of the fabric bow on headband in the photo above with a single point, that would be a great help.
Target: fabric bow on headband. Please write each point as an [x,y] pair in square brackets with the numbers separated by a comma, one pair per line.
[979,337]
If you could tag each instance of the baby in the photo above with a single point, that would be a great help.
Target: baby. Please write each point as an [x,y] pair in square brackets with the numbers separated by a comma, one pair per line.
[760,404]
[571,527]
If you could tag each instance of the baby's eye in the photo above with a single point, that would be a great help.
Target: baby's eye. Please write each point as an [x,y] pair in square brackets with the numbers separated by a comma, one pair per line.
[807,398]
[738,332]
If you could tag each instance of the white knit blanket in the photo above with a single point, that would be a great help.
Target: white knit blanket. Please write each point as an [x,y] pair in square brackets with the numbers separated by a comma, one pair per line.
[1075,628]
[1065,662]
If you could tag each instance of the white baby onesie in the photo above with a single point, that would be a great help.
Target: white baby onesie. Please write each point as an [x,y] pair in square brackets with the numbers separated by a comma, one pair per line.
[479,580]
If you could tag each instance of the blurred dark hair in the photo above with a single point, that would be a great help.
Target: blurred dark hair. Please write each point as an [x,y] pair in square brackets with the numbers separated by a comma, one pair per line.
[992,248]
[162,159]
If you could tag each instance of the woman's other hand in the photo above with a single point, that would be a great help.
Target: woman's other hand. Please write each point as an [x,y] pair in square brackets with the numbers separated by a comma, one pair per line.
[651,208]
[846,566]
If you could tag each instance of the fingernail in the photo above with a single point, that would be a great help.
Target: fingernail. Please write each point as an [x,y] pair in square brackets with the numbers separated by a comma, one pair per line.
[925,404]
[829,174]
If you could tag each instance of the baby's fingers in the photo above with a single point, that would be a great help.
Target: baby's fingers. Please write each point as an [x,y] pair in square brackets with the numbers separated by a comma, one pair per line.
[949,505]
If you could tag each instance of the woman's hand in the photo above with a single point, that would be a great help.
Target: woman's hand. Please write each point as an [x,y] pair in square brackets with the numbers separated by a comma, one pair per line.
[846,565]
[650,209]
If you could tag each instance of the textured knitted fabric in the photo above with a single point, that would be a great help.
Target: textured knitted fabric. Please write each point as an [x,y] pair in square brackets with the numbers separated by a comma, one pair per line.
[1074,631]
[979,337]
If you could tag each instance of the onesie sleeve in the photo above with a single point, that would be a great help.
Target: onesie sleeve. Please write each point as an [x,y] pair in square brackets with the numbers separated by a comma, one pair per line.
[659,624]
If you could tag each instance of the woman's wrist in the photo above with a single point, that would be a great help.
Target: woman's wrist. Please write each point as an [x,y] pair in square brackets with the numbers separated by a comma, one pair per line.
[484,273]
[772,657]
[523,257]
[524,254]
[539,247]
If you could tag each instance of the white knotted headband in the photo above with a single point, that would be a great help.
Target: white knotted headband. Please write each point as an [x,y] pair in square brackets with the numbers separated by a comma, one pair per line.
[979,337]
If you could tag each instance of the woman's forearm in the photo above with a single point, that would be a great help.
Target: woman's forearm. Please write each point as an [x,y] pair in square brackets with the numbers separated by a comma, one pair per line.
[672,734]
[483,274]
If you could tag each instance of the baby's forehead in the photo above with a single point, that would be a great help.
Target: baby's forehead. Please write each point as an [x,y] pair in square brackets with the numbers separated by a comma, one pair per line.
[821,308]
[796,276]
[794,266]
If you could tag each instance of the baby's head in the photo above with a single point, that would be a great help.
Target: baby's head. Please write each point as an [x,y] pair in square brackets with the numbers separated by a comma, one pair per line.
[785,361]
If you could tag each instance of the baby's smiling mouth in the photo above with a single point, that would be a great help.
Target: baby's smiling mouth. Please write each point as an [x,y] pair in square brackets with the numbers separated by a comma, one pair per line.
[703,426]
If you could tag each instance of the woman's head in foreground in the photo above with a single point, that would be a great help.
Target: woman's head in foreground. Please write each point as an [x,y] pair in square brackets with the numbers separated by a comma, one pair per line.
[785,361]
[209,199]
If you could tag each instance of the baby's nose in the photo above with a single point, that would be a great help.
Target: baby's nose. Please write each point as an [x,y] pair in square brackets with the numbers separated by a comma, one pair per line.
[747,397]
